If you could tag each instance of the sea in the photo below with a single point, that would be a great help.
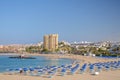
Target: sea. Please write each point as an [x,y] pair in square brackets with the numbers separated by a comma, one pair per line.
[40,61]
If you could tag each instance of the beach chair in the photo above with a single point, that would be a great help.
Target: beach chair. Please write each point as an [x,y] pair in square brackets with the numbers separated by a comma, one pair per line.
[31,71]
[63,71]
[69,67]
[83,69]
[40,73]
[99,68]
[107,66]
[52,72]
[91,68]
[74,69]
[25,70]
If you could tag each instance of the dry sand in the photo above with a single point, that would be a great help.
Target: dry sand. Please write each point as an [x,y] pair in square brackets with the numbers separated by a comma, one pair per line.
[87,59]
[104,75]
[110,75]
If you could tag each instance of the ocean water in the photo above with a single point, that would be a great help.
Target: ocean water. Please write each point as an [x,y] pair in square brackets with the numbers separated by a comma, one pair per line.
[8,63]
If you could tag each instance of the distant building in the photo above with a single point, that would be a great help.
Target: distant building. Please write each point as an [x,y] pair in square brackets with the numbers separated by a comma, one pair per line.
[51,42]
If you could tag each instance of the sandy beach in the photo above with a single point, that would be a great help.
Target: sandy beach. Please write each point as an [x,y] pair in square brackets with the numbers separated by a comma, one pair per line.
[111,75]
[104,75]
[85,59]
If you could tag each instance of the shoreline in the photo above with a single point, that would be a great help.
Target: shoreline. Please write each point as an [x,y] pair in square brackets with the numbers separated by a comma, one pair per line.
[86,59]
[104,75]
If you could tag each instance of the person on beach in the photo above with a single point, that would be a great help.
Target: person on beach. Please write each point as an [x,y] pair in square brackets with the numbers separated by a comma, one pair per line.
[21,71]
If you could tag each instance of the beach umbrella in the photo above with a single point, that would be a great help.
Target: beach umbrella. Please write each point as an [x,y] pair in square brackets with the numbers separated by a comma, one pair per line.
[31,69]
[17,69]
[25,69]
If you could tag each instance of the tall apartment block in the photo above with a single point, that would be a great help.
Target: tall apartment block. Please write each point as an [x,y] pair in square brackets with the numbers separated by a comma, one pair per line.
[51,42]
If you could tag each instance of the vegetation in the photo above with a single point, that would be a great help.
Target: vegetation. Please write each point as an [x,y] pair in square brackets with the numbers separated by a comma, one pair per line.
[33,49]
[97,51]
[67,49]
[64,48]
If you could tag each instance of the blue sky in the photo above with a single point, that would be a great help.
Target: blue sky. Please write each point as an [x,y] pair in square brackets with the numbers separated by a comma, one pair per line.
[27,21]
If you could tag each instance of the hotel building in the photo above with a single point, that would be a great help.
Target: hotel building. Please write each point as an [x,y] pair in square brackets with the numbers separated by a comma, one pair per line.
[51,42]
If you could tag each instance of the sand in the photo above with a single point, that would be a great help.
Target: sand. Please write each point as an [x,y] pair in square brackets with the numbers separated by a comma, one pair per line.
[104,75]
[85,59]
[110,75]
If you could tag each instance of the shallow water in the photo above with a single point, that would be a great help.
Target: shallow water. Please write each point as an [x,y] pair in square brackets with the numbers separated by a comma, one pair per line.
[8,63]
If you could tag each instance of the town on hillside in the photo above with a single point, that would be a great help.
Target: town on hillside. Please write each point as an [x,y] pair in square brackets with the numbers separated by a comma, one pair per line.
[50,44]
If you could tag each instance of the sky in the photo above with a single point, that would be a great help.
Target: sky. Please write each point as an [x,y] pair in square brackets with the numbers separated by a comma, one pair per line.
[27,21]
